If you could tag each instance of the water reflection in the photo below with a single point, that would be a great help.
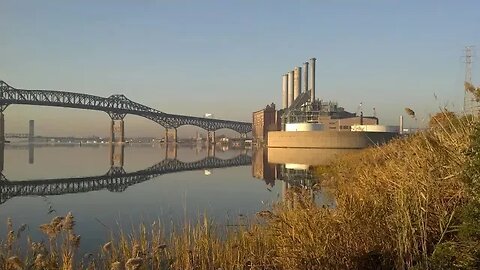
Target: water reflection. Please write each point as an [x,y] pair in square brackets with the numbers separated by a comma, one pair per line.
[296,168]
[31,153]
[116,179]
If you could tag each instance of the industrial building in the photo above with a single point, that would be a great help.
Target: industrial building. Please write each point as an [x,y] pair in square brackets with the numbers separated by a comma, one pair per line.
[265,120]
[302,112]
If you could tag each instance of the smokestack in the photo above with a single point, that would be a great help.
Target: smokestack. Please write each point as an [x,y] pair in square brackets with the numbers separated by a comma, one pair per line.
[401,125]
[285,91]
[312,79]
[297,82]
[290,88]
[305,77]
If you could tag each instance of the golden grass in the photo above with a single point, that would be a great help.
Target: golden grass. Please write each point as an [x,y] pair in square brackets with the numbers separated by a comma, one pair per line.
[395,205]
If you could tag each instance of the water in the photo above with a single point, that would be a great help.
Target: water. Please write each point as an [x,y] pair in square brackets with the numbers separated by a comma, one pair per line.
[154,183]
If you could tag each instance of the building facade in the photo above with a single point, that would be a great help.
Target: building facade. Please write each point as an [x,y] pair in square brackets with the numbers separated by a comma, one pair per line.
[265,120]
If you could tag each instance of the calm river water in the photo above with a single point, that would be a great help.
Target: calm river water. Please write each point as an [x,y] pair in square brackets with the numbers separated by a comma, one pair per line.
[171,185]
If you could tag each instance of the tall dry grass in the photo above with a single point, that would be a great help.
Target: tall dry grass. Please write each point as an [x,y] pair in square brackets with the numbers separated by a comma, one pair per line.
[396,207]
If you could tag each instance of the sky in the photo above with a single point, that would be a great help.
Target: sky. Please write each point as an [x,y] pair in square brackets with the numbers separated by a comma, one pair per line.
[228,57]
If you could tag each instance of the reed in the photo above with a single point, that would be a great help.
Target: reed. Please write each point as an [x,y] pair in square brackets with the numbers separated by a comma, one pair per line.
[410,204]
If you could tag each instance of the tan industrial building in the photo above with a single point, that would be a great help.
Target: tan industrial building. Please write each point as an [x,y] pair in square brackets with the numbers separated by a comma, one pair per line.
[265,120]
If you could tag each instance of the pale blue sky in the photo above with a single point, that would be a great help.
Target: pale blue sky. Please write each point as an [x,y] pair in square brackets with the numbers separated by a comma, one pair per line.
[227,57]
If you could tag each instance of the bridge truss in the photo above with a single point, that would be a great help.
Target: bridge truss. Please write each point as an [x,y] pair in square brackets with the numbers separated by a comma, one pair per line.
[116,106]
[115,180]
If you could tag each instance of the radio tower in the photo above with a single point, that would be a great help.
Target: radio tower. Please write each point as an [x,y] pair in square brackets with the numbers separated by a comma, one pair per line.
[468,101]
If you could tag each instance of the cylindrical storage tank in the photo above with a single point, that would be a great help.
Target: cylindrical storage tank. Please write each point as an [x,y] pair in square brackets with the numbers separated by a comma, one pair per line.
[290,88]
[305,77]
[303,127]
[312,79]
[285,91]
[297,82]
[375,128]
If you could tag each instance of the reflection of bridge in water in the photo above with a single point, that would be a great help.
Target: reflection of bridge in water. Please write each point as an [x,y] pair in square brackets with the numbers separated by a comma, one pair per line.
[115,180]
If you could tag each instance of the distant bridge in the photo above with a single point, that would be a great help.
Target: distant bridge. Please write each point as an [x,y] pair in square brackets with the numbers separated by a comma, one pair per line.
[16,135]
[115,180]
[116,106]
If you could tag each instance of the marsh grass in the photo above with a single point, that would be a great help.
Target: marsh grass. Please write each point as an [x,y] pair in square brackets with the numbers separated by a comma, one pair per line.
[412,203]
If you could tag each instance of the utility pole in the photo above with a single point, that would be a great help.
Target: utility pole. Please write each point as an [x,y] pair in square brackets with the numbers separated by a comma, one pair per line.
[468,97]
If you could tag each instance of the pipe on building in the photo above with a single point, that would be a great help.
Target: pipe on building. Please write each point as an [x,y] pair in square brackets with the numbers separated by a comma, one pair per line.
[290,88]
[305,77]
[297,82]
[312,79]
[285,91]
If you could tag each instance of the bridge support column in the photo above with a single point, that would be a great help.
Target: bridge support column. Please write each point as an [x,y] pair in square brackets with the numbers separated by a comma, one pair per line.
[211,150]
[117,131]
[117,155]
[211,137]
[170,151]
[2,127]
[170,133]
[31,153]
[2,158]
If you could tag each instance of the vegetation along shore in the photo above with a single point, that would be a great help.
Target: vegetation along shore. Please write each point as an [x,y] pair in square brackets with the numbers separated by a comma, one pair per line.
[410,204]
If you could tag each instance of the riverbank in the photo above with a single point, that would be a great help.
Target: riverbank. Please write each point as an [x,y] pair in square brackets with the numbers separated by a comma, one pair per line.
[412,203]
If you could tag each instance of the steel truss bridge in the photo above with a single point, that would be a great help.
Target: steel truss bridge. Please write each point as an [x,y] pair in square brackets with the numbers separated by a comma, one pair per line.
[116,106]
[115,180]
[16,135]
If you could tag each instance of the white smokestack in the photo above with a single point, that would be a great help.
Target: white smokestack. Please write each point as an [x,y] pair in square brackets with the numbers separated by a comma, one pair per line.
[290,88]
[285,91]
[312,79]
[305,77]
[297,82]
[401,125]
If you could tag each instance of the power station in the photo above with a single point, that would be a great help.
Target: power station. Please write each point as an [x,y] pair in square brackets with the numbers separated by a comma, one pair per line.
[303,111]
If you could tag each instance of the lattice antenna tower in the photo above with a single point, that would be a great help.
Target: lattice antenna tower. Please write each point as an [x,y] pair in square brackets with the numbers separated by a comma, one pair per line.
[468,101]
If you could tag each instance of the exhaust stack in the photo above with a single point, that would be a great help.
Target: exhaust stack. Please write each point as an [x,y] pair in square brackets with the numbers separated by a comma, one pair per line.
[305,77]
[290,88]
[312,79]
[297,83]
[401,125]
[284,91]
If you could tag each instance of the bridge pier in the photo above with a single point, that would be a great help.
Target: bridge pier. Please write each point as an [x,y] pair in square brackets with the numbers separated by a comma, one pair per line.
[172,132]
[31,153]
[211,137]
[117,131]
[211,150]
[2,127]
[117,153]
[170,151]
[2,157]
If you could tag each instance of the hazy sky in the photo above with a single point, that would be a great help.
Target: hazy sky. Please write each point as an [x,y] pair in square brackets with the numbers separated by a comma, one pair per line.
[227,57]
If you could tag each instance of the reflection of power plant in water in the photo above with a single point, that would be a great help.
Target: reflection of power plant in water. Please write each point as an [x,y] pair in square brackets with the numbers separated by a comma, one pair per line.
[116,179]
[295,176]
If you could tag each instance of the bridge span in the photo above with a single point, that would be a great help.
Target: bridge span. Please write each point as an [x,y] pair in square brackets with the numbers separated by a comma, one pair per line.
[117,107]
[115,180]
